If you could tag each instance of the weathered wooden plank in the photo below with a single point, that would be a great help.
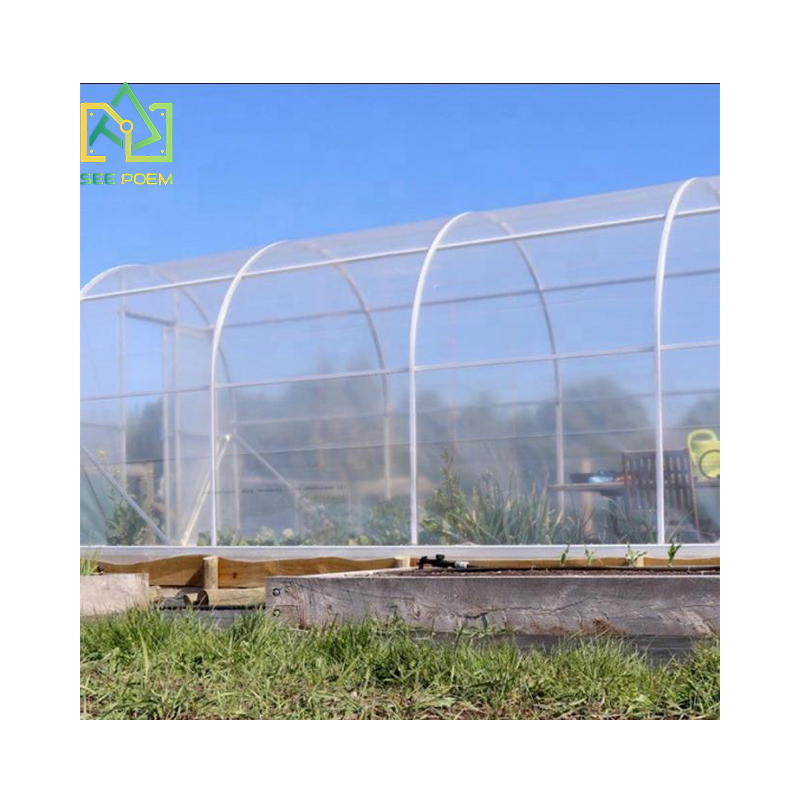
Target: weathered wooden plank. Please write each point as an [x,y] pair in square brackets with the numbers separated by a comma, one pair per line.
[199,596]
[189,570]
[176,571]
[112,594]
[668,604]
[653,561]
[253,573]
[226,598]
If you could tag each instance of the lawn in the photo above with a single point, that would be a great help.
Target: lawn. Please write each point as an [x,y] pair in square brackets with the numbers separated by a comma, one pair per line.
[145,666]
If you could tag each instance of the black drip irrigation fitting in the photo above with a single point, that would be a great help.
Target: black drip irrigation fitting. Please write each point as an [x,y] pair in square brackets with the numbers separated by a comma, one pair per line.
[440,562]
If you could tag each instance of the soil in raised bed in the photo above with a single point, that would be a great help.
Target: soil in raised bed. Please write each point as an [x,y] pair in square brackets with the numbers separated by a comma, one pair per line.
[573,571]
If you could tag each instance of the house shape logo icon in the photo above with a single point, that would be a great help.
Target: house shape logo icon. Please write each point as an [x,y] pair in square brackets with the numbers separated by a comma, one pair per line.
[126,127]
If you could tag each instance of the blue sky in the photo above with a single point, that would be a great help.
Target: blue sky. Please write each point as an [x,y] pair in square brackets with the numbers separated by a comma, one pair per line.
[257,163]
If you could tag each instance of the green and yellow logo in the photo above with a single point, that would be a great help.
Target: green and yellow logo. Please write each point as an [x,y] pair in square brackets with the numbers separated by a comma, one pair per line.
[126,127]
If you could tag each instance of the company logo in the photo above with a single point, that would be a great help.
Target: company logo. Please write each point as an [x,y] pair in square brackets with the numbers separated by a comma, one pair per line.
[89,140]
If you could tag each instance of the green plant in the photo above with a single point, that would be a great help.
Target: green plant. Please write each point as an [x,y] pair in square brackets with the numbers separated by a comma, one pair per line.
[631,528]
[388,522]
[632,556]
[493,514]
[265,537]
[682,528]
[588,555]
[125,526]
[89,565]
[562,560]
[672,551]
[325,522]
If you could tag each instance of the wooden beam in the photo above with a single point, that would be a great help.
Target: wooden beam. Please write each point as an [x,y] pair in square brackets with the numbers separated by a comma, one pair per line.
[176,571]
[669,604]
[190,570]
[226,598]
[252,573]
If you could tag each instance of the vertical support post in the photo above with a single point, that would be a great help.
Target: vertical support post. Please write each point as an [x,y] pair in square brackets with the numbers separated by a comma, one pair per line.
[211,572]
[166,448]
[123,406]
[661,267]
[560,477]
[387,453]
[237,485]
[177,507]
[412,369]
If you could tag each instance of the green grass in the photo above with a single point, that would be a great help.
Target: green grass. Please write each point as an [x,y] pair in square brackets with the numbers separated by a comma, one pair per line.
[145,666]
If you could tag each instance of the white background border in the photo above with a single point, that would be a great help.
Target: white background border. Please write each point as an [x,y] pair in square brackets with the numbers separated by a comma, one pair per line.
[49,47]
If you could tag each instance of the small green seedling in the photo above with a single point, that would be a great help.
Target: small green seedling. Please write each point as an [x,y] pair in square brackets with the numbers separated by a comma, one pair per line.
[672,552]
[563,557]
[588,555]
[632,557]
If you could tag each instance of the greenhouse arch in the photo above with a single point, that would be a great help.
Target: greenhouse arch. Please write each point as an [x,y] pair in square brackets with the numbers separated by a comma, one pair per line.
[561,358]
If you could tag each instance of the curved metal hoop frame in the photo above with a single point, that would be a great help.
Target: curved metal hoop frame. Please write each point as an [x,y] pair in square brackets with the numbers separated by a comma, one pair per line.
[216,349]
[661,268]
[412,366]
[222,315]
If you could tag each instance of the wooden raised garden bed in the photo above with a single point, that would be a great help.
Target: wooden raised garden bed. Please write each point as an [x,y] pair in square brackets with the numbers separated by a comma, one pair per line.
[656,602]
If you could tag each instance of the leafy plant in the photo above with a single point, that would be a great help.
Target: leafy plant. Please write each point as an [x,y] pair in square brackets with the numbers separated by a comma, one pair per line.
[125,526]
[672,551]
[588,555]
[562,560]
[682,528]
[266,537]
[632,556]
[325,520]
[492,514]
[326,523]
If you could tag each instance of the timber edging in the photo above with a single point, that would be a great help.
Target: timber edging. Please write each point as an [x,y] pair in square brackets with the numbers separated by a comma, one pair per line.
[551,604]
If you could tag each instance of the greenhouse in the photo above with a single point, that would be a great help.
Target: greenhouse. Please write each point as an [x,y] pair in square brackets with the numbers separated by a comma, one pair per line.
[533,376]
